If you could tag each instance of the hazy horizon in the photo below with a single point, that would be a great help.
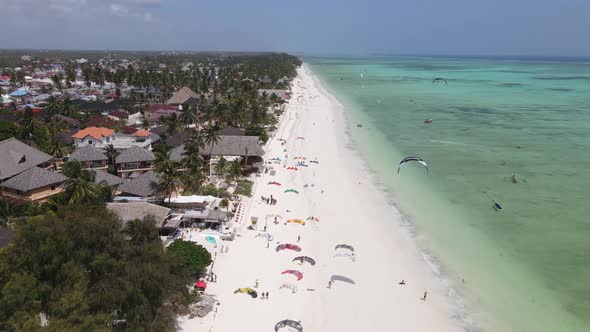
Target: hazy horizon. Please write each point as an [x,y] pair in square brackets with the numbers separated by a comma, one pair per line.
[421,27]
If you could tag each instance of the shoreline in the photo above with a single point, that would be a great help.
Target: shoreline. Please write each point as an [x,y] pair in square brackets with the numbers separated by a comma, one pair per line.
[352,209]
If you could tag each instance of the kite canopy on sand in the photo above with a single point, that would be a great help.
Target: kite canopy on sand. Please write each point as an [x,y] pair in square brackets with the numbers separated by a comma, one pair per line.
[292,191]
[267,236]
[292,287]
[288,246]
[296,221]
[274,183]
[347,255]
[293,168]
[439,79]
[300,137]
[342,278]
[312,218]
[247,290]
[302,259]
[296,273]
[289,323]
[413,158]
[344,246]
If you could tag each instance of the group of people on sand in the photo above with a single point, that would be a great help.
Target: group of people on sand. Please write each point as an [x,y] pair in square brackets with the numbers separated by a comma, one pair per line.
[269,200]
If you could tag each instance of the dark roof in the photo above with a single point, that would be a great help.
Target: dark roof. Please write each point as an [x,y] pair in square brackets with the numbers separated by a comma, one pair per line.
[178,139]
[119,114]
[114,105]
[144,185]
[6,237]
[88,153]
[109,179]
[101,122]
[177,154]
[65,138]
[160,107]
[135,153]
[127,130]
[234,146]
[66,119]
[231,131]
[32,179]
[159,130]
[17,157]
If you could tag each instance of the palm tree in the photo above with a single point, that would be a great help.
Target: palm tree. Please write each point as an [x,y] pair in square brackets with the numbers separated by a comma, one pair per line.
[169,177]
[112,154]
[188,116]
[80,187]
[53,105]
[211,136]
[69,108]
[173,124]
[235,170]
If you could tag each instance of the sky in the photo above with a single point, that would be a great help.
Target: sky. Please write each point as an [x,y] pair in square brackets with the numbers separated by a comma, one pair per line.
[482,27]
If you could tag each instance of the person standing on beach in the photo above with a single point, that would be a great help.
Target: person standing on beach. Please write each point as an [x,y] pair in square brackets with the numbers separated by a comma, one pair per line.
[298,238]
[424,298]
[330,284]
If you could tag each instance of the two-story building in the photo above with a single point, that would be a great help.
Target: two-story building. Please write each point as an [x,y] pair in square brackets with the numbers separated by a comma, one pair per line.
[90,157]
[94,136]
[134,160]
[25,172]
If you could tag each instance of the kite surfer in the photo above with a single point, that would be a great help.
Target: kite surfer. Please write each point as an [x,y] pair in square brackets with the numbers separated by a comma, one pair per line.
[514,179]
[424,298]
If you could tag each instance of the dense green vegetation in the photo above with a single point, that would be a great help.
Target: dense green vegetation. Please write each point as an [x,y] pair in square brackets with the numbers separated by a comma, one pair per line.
[82,272]
[193,256]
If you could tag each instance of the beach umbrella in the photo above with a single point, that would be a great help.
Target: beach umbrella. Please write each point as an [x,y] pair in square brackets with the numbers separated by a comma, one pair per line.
[296,273]
[342,278]
[201,285]
[288,246]
[413,158]
[289,323]
[292,287]
[247,290]
[344,246]
[292,191]
[302,259]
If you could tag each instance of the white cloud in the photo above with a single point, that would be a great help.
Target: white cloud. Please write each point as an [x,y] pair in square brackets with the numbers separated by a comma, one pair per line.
[141,9]
[118,10]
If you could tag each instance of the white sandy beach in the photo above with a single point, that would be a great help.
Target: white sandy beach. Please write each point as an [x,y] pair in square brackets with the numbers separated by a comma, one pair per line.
[351,210]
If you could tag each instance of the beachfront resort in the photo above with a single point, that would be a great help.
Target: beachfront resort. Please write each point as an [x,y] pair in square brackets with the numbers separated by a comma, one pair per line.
[229,172]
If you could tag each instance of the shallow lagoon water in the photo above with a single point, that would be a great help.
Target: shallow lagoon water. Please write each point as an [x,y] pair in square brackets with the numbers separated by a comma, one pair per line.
[526,267]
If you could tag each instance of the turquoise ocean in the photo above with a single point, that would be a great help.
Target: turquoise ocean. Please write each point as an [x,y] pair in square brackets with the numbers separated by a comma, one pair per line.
[527,266]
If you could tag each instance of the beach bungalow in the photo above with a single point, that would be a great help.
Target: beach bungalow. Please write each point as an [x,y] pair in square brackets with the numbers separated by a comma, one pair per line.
[90,157]
[145,185]
[140,210]
[71,122]
[104,178]
[182,96]
[34,184]
[134,160]
[94,136]
[18,157]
